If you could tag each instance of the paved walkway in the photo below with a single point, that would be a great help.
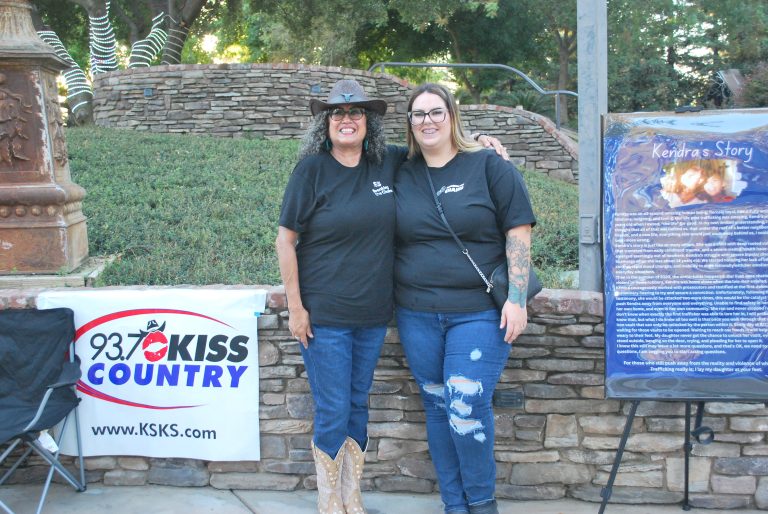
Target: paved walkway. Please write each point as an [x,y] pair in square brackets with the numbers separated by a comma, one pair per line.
[100,499]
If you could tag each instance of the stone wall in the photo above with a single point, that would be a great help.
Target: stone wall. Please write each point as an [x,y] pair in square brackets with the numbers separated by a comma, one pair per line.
[533,141]
[271,101]
[560,441]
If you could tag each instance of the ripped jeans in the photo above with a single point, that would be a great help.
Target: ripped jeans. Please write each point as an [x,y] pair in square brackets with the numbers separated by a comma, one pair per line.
[457,359]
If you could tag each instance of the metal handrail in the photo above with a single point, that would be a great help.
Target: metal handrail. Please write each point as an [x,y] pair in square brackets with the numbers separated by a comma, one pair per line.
[529,80]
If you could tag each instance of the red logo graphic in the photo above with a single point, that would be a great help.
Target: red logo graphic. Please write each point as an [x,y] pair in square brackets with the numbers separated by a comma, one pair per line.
[154,343]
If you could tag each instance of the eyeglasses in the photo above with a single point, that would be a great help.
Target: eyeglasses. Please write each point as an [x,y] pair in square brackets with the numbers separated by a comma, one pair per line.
[436,115]
[354,113]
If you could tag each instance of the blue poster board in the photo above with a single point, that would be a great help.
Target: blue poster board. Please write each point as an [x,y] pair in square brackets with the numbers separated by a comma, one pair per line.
[685,215]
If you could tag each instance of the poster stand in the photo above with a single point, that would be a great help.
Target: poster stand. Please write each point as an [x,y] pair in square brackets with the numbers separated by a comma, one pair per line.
[703,435]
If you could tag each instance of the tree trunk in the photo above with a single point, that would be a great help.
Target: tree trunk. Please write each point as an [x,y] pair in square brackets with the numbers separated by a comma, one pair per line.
[144,51]
[462,75]
[177,36]
[37,21]
[566,44]
[179,23]
[103,46]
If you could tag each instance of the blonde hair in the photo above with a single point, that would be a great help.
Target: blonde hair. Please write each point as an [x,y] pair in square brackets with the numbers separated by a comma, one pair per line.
[461,141]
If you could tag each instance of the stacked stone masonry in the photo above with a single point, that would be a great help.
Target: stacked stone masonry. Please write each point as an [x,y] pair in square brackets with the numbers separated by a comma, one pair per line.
[271,101]
[560,443]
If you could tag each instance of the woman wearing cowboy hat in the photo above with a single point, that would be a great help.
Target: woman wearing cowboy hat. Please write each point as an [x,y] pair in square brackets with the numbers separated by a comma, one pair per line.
[335,248]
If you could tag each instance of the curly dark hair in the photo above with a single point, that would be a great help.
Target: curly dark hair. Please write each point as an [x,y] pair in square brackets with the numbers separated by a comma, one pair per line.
[314,139]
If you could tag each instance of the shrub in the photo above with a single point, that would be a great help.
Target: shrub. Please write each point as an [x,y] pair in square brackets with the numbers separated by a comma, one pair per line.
[182,209]
[555,239]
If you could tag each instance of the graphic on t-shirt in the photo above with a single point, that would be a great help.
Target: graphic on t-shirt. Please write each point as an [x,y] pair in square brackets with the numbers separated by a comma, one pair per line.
[379,190]
[453,188]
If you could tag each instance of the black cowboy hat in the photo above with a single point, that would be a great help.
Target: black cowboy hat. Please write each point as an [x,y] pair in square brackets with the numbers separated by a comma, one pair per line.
[347,92]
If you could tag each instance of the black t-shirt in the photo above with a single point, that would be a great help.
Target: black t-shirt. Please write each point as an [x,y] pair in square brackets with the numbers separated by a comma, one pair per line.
[345,218]
[483,197]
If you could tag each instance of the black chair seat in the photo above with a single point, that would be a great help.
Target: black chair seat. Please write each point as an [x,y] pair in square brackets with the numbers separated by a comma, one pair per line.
[37,386]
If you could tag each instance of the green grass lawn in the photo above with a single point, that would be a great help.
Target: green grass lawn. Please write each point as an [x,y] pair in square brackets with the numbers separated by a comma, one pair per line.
[181,209]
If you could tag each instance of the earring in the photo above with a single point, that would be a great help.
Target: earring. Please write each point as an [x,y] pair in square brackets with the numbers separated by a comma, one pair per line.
[365,144]
[328,145]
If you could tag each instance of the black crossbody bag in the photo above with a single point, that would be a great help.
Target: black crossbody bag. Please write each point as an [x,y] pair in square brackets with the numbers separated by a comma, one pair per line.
[498,283]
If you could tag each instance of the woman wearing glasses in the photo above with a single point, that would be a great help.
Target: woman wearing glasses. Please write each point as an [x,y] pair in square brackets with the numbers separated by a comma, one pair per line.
[455,339]
[335,248]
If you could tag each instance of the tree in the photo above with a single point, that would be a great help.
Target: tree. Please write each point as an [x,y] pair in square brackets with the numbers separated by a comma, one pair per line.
[102,42]
[315,31]
[141,17]
[662,53]
[79,91]
[645,42]
[127,22]
[401,42]
[756,87]
[449,17]
[560,26]
[665,53]
[144,24]
[319,32]
[70,25]
[735,32]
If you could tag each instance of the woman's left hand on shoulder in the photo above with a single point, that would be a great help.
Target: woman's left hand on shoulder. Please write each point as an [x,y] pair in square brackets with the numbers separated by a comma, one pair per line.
[492,142]
[514,318]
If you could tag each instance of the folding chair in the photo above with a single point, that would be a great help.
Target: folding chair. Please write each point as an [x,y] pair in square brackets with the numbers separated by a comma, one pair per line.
[38,372]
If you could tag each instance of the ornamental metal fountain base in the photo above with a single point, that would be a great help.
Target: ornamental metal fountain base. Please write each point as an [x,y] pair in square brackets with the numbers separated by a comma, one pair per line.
[42,227]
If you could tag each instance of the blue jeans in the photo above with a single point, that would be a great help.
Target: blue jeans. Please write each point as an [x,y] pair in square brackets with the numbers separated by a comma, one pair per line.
[457,359]
[340,362]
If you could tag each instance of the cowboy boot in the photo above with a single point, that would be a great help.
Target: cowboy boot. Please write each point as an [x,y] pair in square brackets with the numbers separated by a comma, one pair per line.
[351,472]
[328,480]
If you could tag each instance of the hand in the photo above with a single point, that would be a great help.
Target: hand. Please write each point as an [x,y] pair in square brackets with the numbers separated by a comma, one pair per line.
[515,319]
[492,142]
[299,325]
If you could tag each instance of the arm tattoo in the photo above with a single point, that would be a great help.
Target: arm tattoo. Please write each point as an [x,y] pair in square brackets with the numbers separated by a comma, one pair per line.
[518,262]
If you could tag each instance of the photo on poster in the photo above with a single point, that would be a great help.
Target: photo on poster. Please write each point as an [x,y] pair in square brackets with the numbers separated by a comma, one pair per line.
[701,181]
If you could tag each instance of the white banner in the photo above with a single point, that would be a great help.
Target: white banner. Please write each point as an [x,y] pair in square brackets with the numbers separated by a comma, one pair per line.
[166,372]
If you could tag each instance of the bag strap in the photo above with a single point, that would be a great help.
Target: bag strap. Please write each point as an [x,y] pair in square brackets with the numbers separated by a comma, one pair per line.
[461,246]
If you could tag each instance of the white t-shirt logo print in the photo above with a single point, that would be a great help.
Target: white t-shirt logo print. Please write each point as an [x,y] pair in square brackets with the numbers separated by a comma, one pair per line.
[379,190]
[453,188]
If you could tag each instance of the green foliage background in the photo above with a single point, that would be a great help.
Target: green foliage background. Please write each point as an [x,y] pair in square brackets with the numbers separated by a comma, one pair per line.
[182,209]
[662,54]
[756,87]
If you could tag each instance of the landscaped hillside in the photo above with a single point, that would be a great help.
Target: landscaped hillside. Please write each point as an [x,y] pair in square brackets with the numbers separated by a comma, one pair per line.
[181,209]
